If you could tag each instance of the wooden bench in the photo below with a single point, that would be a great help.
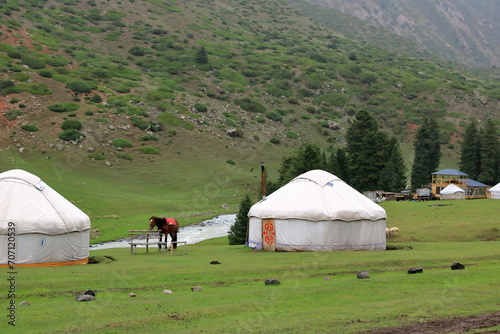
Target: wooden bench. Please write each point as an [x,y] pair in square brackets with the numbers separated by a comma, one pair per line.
[149,238]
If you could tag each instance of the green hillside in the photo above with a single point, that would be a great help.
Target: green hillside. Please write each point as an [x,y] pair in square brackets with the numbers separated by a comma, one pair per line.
[170,106]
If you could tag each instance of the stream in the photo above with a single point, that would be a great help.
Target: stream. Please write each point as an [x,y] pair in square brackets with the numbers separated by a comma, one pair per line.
[211,228]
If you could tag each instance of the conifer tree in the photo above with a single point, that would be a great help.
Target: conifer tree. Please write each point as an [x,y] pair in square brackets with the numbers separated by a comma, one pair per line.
[201,56]
[238,231]
[367,152]
[308,157]
[393,176]
[427,153]
[490,154]
[470,153]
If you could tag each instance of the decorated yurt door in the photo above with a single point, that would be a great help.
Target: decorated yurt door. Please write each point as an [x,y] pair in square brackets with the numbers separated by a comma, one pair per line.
[268,235]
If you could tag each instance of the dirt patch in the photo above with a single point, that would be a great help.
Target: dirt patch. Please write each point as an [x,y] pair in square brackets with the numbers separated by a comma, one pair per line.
[466,324]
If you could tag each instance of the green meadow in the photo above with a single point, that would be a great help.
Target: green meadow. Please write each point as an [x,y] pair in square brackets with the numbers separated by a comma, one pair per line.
[319,291]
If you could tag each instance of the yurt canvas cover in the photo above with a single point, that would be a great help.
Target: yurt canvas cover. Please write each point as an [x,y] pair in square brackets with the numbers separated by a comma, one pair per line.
[495,192]
[317,211]
[451,191]
[38,226]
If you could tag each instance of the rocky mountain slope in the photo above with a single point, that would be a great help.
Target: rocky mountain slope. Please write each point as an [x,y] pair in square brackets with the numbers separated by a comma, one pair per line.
[461,30]
[141,79]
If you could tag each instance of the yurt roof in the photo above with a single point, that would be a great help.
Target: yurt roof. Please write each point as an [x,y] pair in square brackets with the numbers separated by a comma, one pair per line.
[451,189]
[496,188]
[317,196]
[35,207]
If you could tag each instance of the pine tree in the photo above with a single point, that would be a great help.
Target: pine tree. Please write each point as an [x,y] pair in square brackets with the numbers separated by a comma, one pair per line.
[490,154]
[308,157]
[367,152]
[238,231]
[427,153]
[470,154]
[343,166]
[393,176]
[201,56]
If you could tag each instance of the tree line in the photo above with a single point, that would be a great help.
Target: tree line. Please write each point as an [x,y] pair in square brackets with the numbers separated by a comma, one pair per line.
[372,160]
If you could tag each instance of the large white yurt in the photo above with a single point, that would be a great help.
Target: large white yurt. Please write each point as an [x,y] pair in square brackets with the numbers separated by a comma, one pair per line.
[38,226]
[317,211]
[495,192]
[451,191]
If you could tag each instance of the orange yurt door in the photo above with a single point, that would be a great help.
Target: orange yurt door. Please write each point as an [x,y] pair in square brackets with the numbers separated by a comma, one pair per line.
[268,235]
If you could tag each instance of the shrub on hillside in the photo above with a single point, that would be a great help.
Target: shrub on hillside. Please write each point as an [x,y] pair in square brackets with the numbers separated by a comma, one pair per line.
[80,86]
[120,142]
[29,127]
[13,114]
[200,107]
[71,124]
[71,135]
[62,107]
[45,73]
[124,156]
[95,156]
[250,104]
[33,63]
[149,150]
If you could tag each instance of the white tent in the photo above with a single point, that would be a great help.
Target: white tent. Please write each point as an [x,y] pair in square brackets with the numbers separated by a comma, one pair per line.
[495,192]
[317,211]
[38,226]
[451,191]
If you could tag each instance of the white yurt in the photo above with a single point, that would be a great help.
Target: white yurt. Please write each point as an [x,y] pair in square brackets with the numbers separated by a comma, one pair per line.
[317,211]
[38,226]
[451,191]
[495,192]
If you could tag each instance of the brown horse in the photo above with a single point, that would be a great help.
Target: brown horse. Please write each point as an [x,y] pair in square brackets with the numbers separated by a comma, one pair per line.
[167,226]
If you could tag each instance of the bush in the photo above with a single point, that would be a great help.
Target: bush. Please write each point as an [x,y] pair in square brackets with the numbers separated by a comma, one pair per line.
[96,98]
[124,156]
[13,114]
[29,127]
[71,124]
[200,107]
[120,142]
[96,156]
[148,138]
[33,63]
[291,135]
[45,73]
[80,86]
[250,104]
[149,150]
[71,135]
[274,116]
[275,140]
[62,107]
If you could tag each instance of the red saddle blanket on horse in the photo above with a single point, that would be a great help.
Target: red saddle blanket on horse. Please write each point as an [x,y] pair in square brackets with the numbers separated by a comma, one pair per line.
[171,221]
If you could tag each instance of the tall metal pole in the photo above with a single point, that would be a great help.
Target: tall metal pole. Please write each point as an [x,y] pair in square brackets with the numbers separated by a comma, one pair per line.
[263,178]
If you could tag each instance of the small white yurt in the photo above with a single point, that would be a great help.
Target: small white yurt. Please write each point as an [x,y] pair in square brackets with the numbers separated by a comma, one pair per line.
[38,226]
[451,191]
[495,192]
[317,211]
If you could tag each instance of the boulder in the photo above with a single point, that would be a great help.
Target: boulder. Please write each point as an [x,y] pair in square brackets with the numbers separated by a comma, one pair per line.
[196,288]
[362,275]
[415,271]
[84,298]
[272,282]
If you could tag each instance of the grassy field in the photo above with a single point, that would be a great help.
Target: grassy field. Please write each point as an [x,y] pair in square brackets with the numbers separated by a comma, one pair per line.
[236,300]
